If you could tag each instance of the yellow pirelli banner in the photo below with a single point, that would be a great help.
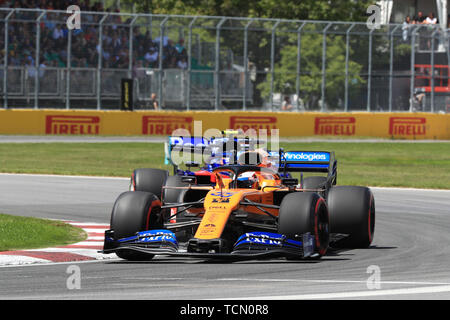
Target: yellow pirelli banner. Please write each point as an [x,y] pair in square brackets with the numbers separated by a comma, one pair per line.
[161,123]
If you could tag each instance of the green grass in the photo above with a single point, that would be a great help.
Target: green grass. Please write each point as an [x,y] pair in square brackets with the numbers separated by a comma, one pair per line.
[417,165]
[103,159]
[33,233]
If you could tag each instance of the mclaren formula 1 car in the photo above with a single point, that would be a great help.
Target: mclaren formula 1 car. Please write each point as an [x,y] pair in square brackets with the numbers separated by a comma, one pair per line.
[191,152]
[251,209]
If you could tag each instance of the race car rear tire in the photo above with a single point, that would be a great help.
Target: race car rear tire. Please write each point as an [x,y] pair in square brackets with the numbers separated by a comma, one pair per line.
[172,195]
[149,180]
[303,212]
[191,195]
[134,212]
[315,183]
[352,212]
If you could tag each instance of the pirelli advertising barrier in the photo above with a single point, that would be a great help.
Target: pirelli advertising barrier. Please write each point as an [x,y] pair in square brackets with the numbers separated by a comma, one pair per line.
[153,123]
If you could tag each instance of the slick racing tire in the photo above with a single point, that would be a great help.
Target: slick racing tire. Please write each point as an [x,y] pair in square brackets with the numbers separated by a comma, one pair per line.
[172,195]
[134,212]
[302,212]
[191,195]
[314,182]
[352,212]
[149,180]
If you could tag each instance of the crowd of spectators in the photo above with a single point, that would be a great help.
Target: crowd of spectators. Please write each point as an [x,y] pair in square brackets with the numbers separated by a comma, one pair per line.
[115,50]
[419,18]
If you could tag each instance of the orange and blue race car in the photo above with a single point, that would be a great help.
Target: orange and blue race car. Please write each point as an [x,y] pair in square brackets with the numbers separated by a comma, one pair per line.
[251,209]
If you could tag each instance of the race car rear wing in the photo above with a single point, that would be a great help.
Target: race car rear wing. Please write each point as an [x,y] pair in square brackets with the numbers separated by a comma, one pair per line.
[222,146]
[184,144]
[305,161]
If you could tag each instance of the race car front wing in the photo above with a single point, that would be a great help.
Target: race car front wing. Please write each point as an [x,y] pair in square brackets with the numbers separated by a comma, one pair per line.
[251,245]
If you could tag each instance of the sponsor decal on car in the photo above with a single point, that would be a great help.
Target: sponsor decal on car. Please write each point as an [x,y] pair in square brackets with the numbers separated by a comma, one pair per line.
[173,214]
[307,156]
[73,125]
[335,126]
[222,194]
[407,126]
[221,200]
[156,236]
[212,216]
[216,207]
[207,229]
[263,238]
[165,125]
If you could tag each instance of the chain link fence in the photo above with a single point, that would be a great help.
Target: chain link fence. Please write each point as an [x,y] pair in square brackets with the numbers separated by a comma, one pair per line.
[220,63]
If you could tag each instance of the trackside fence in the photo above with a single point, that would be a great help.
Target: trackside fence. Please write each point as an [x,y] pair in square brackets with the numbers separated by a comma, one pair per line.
[220,63]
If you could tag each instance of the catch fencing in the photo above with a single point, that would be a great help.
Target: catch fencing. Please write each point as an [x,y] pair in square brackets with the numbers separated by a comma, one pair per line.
[220,63]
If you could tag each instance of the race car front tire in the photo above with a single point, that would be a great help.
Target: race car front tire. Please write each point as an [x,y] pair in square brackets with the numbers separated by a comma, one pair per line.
[352,212]
[303,212]
[134,212]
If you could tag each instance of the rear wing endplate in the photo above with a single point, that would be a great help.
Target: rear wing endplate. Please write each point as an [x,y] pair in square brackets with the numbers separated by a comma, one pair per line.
[184,144]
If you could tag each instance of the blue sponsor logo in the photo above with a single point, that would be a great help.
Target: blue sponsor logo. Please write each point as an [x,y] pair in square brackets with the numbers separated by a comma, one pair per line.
[307,156]
[223,194]
[188,141]
[264,238]
[157,236]
[267,239]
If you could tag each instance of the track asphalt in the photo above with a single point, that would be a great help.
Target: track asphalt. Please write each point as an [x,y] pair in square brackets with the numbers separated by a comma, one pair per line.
[410,253]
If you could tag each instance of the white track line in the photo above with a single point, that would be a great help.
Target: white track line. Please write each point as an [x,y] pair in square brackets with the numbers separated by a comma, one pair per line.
[428,287]
[409,189]
[429,283]
[354,294]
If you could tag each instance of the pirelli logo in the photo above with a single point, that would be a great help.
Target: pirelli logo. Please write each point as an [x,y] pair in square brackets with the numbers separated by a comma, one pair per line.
[407,126]
[335,126]
[73,125]
[165,125]
[253,122]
